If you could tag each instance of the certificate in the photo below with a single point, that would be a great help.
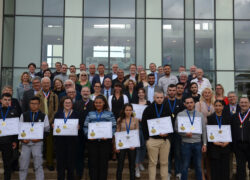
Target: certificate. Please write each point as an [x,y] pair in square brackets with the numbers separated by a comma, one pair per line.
[123,140]
[160,126]
[27,131]
[100,130]
[9,126]
[184,125]
[214,134]
[138,110]
[70,128]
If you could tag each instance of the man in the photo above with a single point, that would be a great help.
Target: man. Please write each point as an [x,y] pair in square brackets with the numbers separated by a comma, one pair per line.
[132,73]
[180,70]
[157,146]
[107,90]
[91,72]
[152,67]
[193,88]
[63,76]
[139,69]
[99,77]
[113,74]
[192,74]
[72,69]
[120,79]
[201,81]
[27,95]
[32,69]
[82,68]
[179,91]
[167,79]
[174,106]
[241,137]
[69,84]
[34,146]
[7,143]
[151,88]
[44,66]
[48,106]
[83,106]
[160,70]
[183,78]
[71,92]
[233,106]
[192,146]
[58,69]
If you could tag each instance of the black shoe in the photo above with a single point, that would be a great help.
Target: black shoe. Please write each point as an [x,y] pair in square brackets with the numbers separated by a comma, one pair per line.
[50,168]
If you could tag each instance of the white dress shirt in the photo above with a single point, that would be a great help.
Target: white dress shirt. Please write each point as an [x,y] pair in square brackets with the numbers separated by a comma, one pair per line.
[204,83]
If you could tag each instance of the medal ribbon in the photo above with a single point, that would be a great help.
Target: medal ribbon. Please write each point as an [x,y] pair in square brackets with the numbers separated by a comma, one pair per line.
[85,104]
[219,121]
[157,113]
[191,121]
[46,95]
[172,108]
[66,118]
[208,107]
[128,126]
[244,118]
[31,118]
[6,114]
[98,116]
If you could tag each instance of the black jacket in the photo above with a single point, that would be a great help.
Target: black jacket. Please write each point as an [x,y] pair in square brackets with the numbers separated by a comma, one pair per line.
[227,109]
[27,95]
[134,97]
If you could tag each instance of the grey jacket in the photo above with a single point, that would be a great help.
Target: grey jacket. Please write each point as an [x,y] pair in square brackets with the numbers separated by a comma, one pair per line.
[157,88]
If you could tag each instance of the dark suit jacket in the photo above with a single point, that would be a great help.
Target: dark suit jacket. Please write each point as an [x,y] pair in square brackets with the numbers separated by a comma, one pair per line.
[97,79]
[127,77]
[27,95]
[157,88]
[134,97]
[110,76]
[227,109]
[112,91]
[158,76]
[116,81]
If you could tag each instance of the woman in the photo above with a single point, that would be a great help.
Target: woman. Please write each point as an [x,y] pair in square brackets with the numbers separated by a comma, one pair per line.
[73,77]
[48,73]
[66,145]
[131,91]
[58,87]
[99,150]
[83,80]
[97,91]
[206,107]
[141,151]
[219,94]
[219,152]
[126,122]
[24,85]
[142,80]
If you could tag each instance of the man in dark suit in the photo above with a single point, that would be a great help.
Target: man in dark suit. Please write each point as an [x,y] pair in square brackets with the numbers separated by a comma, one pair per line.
[151,88]
[99,77]
[233,106]
[91,72]
[107,89]
[113,74]
[132,73]
[152,67]
[36,87]
[44,66]
[120,79]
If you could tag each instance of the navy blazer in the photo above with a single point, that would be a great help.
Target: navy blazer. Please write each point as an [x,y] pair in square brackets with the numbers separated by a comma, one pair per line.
[97,79]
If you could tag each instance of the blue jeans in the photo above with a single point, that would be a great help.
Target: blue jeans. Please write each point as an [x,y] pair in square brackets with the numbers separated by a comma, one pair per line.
[175,152]
[140,151]
[189,150]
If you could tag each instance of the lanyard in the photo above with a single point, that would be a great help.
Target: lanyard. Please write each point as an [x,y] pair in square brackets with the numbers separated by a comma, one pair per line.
[244,118]
[66,118]
[157,113]
[85,104]
[208,107]
[6,114]
[33,120]
[46,95]
[191,121]
[219,121]
[128,126]
[172,108]
[98,116]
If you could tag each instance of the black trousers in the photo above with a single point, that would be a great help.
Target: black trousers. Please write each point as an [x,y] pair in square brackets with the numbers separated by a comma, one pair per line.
[80,155]
[242,156]
[131,159]
[220,167]
[99,153]
[65,156]
[7,150]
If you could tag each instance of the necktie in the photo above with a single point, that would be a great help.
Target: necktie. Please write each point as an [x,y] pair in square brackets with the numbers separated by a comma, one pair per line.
[107,94]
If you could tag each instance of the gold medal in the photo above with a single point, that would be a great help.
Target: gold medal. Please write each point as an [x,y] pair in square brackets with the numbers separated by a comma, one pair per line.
[3,123]
[92,134]
[192,127]
[153,130]
[31,129]
[233,112]
[220,131]
[172,115]
[211,137]
[0,132]
[134,114]
[241,126]
[23,134]
[58,130]
[120,144]
[182,127]
[64,126]
[84,108]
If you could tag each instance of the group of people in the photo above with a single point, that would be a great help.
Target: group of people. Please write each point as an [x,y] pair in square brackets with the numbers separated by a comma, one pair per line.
[98,97]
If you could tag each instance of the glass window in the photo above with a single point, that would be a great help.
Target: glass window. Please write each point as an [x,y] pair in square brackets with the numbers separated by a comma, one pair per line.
[122,42]
[173,43]
[121,8]
[140,42]
[241,9]
[6,76]
[96,8]
[189,8]
[173,9]
[204,9]
[95,41]
[242,83]
[153,8]
[204,44]
[226,78]
[140,8]
[189,43]
[73,8]
[53,7]
[29,7]
[224,9]
[242,45]
[52,40]
[27,41]
[9,6]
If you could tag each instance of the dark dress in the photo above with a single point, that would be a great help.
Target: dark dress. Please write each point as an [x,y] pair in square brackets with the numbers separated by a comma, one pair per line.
[132,98]
[117,105]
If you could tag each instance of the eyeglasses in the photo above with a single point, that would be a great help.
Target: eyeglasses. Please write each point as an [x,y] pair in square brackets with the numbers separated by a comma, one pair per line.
[83,75]
[71,92]
[68,85]
[98,86]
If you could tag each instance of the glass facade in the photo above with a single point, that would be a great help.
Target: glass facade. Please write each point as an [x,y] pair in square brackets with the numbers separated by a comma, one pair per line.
[213,35]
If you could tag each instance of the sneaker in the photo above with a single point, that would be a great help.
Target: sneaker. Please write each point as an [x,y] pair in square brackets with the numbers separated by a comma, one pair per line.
[137,172]
[141,167]
[178,176]
[169,176]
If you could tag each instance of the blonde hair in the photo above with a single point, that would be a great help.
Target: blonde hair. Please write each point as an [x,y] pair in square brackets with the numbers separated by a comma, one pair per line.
[212,95]
[82,73]
[139,77]
[128,81]
[221,88]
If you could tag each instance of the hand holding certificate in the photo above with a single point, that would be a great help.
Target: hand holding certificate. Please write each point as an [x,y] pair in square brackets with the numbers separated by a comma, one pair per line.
[160,126]
[123,140]
[100,130]
[216,134]
[138,109]
[68,128]
[9,126]
[28,130]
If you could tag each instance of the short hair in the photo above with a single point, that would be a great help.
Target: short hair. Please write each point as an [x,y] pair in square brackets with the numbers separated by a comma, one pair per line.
[84,87]
[35,98]
[183,73]
[100,65]
[167,65]
[219,101]
[36,78]
[103,98]
[152,64]
[243,97]
[141,89]
[72,75]
[32,64]
[158,92]
[188,97]
[45,78]
[58,63]
[151,75]
[231,92]
[47,70]
[171,86]
[132,65]
[6,95]
[72,66]
[65,65]
[192,83]
[179,84]
[108,78]
[7,87]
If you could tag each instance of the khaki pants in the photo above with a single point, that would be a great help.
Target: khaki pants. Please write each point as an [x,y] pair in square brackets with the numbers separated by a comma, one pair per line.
[158,148]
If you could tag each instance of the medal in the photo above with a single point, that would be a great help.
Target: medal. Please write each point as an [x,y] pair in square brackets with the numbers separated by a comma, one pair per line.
[182,127]
[23,134]
[85,105]
[191,120]
[192,128]
[92,134]
[211,137]
[172,115]
[172,107]
[153,130]
[242,120]
[66,119]
[220,131]
[84,108]
[4,115]
[31,129]
[46,95]
[241,126]
[120,144]
[3,123]
[33,119]
[0,132]
[64,126]
[219,121]
[58,130]
[128,126]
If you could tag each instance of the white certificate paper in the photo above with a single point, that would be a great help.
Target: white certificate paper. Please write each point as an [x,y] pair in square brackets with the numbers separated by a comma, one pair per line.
[125,141]
[214,134]
[70,128]
[9,127]
[160,126]
[138,109]
[26,131]
[184,125]
[100,130]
